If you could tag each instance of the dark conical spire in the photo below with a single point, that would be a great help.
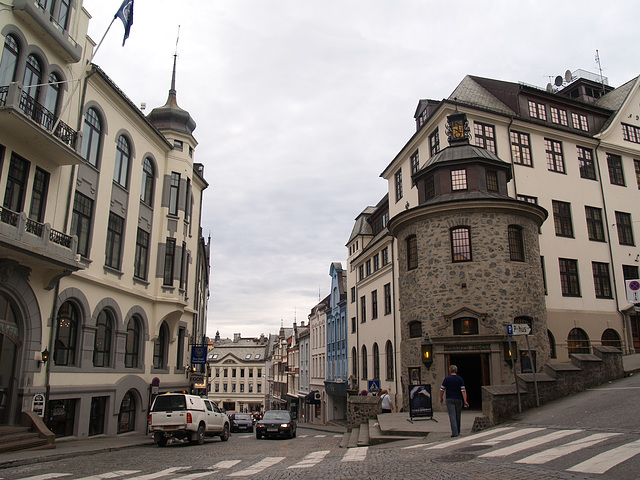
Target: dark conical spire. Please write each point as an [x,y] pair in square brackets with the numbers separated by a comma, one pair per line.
[171,116]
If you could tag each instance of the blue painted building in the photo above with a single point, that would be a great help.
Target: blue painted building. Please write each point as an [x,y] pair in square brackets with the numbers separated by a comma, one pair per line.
[337,366]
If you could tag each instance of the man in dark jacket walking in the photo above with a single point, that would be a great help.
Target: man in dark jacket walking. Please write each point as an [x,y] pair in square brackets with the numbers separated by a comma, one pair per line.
[453,384]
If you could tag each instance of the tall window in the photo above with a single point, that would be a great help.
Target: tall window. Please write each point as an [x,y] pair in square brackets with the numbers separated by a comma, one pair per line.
[67,323]
[142,255]
[39,195]
[415,162]
[354,362]
[562,218]
[363,309]
[458,180]
[555,159]
[601,279]
[16,183]
[398,179]
[636,166]
[91,132]
[132,345]
[521,148]
[160,347]
[121,169]
[169,257]
[578,341]
[460,244]
[412,252]
[616,174]
[376,362]
[389,357]
[485,136]
[559,116]
[81,222]
[625,229]
[385,256]
[148,176]
[585,162]
[595,227]
[182,335]
[537,110]
[374,304]
[569,277]
[102,341]
[492,180]
[365,373]
[32,77]
[429,187]
[127,413]
[174,192]
[10,53]
[53,94]
[115,229]
[387,299]
[516,243]
[580,121]
[63,15]
[434,142]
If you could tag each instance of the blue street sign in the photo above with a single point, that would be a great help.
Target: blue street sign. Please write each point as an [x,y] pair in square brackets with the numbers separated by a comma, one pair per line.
[198,354]
[374,386]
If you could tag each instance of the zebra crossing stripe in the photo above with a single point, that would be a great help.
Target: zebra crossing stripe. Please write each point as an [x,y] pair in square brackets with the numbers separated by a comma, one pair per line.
[227,463]
[557,452]
[419,445]
[161,473]
[534,442]
[355,454]
[510,436]
[311,460]
[193,476]
[258,467]
[466,439]
[607,460]
[46,476]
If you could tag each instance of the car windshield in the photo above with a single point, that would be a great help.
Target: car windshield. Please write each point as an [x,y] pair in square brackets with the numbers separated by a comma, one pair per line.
[278,416]
[243,416]
[169,403]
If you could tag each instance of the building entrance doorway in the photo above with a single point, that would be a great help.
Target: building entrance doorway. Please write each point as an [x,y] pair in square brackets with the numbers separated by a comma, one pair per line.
[474,370]
[635,331]
[9,341]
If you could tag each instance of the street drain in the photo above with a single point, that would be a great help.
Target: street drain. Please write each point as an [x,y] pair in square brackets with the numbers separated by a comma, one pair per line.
[474,448]
[455,457]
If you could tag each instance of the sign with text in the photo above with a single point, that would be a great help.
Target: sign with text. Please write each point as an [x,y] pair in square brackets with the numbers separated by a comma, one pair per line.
[518,329]
[633,291]
[420,404]
[198,355]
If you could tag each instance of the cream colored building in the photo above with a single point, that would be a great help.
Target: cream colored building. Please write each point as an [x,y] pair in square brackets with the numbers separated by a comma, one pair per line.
[105,267]
[318,361]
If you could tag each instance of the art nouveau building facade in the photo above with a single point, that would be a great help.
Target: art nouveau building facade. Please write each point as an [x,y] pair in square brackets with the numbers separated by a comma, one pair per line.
[105,267]
[575,152]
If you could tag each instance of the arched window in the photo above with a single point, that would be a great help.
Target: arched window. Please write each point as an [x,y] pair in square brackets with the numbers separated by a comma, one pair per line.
[389,357]
[127,414]
[160,347]
[67,322]
[365,374]
[148,177]
[32,77]
[102,342]
[9,61]
[552,345]
[132,346]
[610,338]
[578,341]
[415,329]
[376,362]
[465,326]
[53,94]
[354,362]
[121,169]
[91,133]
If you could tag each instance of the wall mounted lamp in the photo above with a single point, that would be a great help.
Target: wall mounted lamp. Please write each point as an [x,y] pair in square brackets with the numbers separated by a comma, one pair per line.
[427,351]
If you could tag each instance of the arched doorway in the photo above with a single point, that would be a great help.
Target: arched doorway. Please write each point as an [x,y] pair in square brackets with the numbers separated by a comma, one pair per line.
[9,342]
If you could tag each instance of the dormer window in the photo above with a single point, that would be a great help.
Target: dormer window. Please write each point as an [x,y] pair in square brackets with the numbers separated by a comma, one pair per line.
[458,180]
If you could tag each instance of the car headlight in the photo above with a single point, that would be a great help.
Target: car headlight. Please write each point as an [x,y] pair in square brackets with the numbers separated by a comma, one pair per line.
[284,425]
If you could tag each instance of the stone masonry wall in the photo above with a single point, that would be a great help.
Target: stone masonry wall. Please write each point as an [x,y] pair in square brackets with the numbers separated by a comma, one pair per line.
[361,409]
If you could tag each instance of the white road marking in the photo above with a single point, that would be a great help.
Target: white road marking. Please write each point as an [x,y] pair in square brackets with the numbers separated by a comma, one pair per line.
[311,460]
[161,473]
[557,452]
[337,436]
[46,476]
[416,446]
[607,460]
[192,476]
[258,467]
[534,442]
[227,463]
[510,436]
[355,454]
[320,436]
[471,437]
[116,474]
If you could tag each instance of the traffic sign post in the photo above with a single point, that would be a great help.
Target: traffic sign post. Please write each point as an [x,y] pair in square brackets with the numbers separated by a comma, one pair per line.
[633,291]
[524,329]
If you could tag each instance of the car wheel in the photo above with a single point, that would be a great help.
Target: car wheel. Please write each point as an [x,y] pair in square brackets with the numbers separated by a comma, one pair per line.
[294,434]
[200,435]
[224,436]
[160,439]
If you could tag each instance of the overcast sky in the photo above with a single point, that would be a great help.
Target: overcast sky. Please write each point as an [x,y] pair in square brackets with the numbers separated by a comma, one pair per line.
[301,104]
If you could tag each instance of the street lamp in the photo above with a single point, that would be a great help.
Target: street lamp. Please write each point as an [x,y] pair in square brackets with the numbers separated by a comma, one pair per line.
[427,351]
[510,354]
[45,355]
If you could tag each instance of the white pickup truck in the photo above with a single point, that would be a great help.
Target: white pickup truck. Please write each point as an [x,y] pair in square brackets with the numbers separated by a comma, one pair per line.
[177,415]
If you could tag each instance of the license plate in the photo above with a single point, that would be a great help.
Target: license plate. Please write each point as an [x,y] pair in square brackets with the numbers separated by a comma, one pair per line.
[272,429]
[171,427]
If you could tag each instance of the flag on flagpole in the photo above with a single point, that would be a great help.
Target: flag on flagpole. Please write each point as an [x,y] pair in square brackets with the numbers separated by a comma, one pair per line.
[125,13]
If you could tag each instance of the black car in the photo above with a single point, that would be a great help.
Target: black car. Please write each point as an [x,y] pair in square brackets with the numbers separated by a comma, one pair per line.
[242,422]
[276,423]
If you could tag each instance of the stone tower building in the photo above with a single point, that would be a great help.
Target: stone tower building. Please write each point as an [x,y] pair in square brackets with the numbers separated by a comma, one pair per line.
[468,262]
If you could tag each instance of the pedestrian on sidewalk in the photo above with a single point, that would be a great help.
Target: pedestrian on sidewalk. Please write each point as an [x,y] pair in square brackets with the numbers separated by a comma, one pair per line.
[387,403]
[453,384]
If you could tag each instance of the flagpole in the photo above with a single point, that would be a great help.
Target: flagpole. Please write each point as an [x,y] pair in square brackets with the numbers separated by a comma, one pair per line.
[102,39]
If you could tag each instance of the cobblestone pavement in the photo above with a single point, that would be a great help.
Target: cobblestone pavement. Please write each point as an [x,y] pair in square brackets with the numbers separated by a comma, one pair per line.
[490,455]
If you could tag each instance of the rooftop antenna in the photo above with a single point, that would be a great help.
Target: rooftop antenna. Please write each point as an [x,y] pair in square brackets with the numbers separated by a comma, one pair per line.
[600,70]
[318,293]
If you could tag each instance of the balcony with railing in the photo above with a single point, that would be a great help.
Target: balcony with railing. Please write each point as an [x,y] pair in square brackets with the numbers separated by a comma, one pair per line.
[36,129]
[24,236]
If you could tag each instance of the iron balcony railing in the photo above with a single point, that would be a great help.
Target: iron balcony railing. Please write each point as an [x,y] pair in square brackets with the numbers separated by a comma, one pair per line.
[35,228]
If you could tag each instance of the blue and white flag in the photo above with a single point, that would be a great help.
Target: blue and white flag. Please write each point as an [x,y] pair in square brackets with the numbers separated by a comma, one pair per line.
[125,13]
